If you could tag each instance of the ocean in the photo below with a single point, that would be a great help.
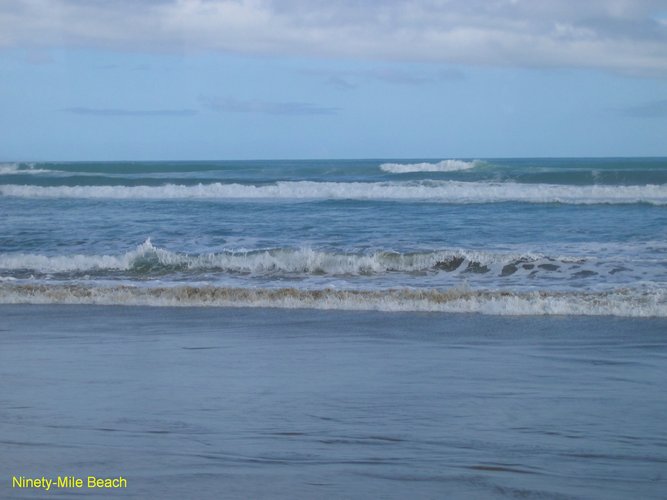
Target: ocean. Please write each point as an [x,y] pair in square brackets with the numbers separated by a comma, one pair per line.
[462,328]
[528,236]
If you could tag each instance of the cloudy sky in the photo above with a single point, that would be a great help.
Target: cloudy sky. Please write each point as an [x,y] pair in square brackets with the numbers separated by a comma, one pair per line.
[235,79]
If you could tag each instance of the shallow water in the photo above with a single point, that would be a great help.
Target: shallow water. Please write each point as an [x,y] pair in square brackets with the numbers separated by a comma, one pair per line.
[270,403]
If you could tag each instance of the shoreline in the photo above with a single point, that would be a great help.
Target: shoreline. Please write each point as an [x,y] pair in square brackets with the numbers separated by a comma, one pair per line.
[621,302]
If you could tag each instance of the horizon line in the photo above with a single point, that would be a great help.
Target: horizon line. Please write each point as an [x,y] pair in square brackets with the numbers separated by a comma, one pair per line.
[378,158]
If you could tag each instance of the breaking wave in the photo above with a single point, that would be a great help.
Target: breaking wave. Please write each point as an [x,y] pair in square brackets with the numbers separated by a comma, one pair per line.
[441,166]
[149,259]
[621,302]
[434,191]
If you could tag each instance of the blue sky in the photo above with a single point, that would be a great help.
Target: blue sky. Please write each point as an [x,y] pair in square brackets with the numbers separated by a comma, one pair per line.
[205,79]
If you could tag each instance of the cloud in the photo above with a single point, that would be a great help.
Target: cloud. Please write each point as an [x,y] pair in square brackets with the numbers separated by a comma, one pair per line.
[78,110]
[628,36]
[653,109]
[267,107]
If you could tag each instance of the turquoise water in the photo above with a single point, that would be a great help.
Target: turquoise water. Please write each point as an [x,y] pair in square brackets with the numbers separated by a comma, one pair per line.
[511,236]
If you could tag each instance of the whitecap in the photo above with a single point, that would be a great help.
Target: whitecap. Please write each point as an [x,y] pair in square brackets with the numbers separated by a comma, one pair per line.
[441,166]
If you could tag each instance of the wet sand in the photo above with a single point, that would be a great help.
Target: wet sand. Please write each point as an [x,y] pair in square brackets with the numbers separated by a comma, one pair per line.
[264,403]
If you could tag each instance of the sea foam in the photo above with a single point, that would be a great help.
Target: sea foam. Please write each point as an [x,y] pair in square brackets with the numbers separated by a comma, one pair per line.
[621,302]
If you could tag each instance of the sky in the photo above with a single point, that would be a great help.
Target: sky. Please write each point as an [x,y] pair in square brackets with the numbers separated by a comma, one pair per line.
[288,79]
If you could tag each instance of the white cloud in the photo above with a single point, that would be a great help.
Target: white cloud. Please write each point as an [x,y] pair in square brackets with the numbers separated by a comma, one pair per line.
[619,35]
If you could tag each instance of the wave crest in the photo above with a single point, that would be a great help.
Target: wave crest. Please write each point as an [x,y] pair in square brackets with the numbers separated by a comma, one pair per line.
[441,166]
[148,259]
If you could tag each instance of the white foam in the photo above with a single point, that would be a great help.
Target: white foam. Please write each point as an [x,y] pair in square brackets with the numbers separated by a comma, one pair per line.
[433,191]
[441,166]
[621,302]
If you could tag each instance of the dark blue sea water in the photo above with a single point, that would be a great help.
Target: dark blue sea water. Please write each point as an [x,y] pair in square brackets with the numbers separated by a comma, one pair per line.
[522,236]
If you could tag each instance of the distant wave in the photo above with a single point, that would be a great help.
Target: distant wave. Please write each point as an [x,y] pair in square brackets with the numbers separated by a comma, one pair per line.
[621,302]
[441,166]
[433,191]
[21,169]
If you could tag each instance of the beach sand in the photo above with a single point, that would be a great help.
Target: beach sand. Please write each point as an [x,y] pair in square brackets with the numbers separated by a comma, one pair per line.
[264,403]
